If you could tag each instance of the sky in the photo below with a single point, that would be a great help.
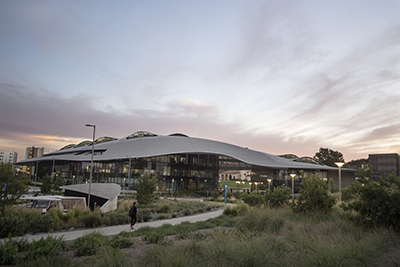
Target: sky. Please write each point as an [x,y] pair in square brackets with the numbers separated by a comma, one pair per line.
[274,76]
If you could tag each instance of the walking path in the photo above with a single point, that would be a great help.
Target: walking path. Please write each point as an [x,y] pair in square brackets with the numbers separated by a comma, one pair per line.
[114,230]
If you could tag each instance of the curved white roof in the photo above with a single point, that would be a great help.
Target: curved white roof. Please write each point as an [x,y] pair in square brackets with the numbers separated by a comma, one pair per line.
[151,146]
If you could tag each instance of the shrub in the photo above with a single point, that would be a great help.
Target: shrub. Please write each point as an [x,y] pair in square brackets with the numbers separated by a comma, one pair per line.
[313,197]
[91,220]
[48,247]
[143,216]
[280,196]
[165,208]
[214,194]
[41,224]
[89,244]
[238,195]
[9,252]
[377,203]
[236,210]
[115,218]
[11,225]
[253,199]
[120,241]
[153,237]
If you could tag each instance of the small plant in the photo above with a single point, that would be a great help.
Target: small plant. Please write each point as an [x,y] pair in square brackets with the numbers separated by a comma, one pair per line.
[91,220]
[89,244]
[120,241]
[153,237]
[41,224]
[214,194]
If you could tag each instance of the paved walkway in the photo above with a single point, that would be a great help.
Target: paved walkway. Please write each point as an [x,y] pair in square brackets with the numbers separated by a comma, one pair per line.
[114,230]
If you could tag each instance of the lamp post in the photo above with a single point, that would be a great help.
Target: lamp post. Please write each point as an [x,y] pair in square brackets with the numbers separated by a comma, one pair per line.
[256,185]
[250,186]
[293,175]
[172,188]
[91,164]
[243,182]
[340,165]
[269,183]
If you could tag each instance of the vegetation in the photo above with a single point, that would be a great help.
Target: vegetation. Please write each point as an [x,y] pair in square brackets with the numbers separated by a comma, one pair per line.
[314,196]
[145,188]
[11,186]
[329,157]
[253,199]
[376,203]
[277,198]
[46,185]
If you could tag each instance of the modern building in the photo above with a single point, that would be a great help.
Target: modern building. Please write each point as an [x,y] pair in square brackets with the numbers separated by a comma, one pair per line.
[384,164]
[8,157]
[177,160]
[34,152]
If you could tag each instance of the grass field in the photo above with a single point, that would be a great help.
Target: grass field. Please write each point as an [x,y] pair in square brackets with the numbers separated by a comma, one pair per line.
[234,185]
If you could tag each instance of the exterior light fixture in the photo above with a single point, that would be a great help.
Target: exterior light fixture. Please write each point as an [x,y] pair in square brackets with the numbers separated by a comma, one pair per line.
[340,165]
[91,164]
[269,183]
[293,175]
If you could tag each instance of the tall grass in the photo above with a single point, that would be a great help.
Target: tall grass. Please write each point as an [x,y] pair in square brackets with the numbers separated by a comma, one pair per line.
[279,237]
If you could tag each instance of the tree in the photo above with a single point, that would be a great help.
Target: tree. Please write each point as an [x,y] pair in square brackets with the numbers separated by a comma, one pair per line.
[145,189]
[279,197]
[329,157]
[46,185]
[364,173]
[11,187]
[376,203]
[314,196]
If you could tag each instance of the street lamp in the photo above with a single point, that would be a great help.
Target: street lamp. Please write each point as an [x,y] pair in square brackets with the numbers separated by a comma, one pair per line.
[269,183]
[256,185]
[91,164]
[293,175]
[340,165]
[172,188]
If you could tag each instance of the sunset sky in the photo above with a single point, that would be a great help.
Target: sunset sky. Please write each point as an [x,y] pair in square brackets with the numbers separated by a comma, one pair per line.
[274,76]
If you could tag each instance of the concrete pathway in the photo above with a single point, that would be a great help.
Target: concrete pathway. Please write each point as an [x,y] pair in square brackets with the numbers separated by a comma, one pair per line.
[114,230]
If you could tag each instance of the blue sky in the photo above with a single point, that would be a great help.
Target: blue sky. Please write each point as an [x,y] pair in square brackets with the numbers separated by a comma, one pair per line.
[274,76]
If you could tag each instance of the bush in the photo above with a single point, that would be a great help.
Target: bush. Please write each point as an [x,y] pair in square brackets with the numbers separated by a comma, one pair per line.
[120,241]
[238,195]
[279,197]
[41,224]
[165,208]
[253,199]
[91,220]
[214,194]
[11,225]
[9,252]
[236,210]
[89,244]
[153,237]
[48,247]
[313,197]
[377,203]
[143,216]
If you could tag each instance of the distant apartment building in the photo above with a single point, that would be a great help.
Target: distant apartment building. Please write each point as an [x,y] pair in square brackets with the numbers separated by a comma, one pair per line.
[244,175]
[384,164]
[34,152]
[8,156]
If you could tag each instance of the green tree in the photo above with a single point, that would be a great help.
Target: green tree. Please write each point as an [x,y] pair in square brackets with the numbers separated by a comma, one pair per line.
[46,185]
[329,157]
[191,186]
[59,181]
[376,203]
[145,189]
[280,196]
[364,173]
[11,187]
[314,196]
[253,199]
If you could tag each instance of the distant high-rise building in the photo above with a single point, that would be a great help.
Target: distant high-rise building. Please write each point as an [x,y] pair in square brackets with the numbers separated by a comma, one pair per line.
[35,152]
[384,164]
[8,156]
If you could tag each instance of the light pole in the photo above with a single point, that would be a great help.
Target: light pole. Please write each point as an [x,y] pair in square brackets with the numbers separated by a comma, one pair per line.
[269,183]
[91,164]
[293,175]
[172,188]
[340,164]
[256,185]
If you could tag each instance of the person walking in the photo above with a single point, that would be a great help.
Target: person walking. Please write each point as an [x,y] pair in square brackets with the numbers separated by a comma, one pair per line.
[132,214]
